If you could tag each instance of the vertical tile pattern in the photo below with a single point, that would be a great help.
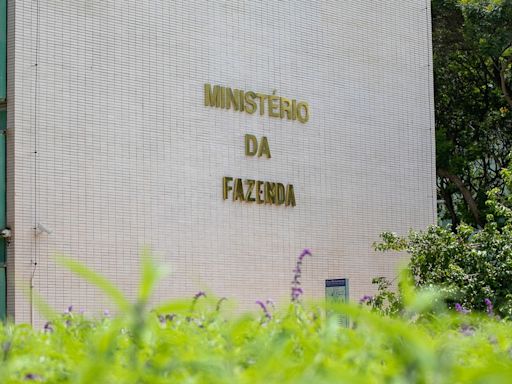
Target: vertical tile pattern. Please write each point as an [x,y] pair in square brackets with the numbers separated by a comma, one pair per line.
[111,148]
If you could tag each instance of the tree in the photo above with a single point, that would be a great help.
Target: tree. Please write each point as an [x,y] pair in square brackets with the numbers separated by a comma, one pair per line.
[472,42]
[470,265]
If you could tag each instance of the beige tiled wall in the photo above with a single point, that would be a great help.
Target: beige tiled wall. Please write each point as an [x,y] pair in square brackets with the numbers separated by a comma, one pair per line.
[111,147]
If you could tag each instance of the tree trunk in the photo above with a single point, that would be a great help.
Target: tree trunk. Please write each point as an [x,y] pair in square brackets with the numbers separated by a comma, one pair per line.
[471,203]
[504,87]
[447,197]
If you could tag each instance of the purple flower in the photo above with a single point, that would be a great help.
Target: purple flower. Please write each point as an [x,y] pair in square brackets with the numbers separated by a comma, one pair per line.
[296,290]
[264,308]
[296,293]
[32,376]
[305,252]
[48,327]
[69,310]
[467,330]
[194,301]
[106,313]
[459,308]
[490,308]
[365,299]
[199,294]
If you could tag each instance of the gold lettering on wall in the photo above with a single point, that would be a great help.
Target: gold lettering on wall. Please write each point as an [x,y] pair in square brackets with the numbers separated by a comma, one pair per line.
[253,147]
[249,190]
[260,192]
[250,102]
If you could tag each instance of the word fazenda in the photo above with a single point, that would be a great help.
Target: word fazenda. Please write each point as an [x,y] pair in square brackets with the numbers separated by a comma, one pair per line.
[260,192]
[250,102]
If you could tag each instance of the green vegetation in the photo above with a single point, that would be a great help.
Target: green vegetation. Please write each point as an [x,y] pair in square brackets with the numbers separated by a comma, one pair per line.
[449,321]
[469,265]
[472,42]
[198,342]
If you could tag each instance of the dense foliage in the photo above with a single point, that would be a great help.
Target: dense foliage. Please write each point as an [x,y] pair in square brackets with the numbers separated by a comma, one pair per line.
[197,342]
[472,43]
[470,265]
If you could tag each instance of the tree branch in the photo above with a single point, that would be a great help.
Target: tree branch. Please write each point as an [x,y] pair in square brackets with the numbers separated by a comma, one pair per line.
[504,86]
[448,201]
[470,201]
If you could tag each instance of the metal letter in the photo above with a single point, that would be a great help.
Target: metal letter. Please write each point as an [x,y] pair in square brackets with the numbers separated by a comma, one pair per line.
[270,193]
[264,148]
[249,101]
[226,187]
[294,109]
[272,108]
[280,194]
[212,99]
[238,193]
[232,98]
[262,98]
[259,200]
[248,196]
[303,118]
[251,145]
[223,97]
[290,196]
[285,106]
[242,100]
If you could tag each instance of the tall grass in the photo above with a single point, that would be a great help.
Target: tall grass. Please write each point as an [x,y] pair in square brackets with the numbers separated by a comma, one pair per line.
[194,341]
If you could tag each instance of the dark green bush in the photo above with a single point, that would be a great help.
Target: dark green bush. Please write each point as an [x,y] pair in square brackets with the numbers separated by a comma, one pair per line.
[470,265]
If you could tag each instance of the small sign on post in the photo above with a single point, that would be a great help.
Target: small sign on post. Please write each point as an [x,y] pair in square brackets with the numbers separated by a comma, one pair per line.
[336,291]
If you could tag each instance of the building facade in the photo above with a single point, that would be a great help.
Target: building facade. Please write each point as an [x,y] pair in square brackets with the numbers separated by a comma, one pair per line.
[225,135]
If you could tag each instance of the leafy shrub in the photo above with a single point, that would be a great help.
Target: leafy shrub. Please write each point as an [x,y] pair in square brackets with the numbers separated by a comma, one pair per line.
[469,265]
[386,301]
